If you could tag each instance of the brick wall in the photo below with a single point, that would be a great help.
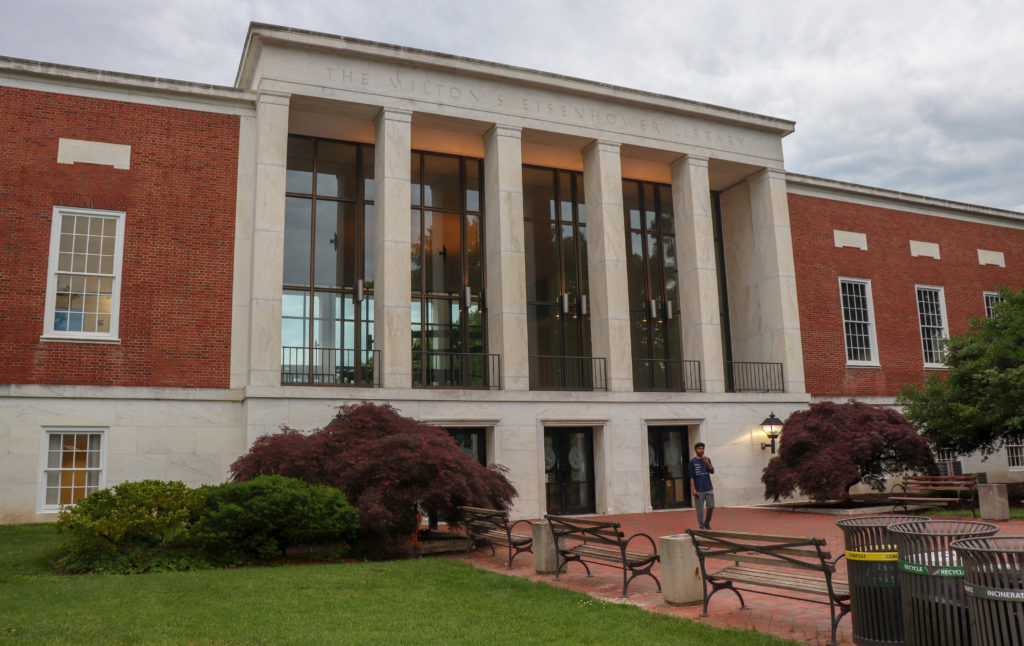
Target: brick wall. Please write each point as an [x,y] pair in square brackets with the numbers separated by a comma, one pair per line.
[893,272]
[179,200]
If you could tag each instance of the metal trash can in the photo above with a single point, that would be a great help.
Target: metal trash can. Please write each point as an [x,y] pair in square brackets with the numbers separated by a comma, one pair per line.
[934,603]
[874,580]
[994,583]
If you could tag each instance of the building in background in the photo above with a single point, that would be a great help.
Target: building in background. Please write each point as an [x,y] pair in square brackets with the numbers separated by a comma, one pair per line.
[579,281]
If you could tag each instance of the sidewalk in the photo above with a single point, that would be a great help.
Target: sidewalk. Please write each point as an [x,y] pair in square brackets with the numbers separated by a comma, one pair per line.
[803,622]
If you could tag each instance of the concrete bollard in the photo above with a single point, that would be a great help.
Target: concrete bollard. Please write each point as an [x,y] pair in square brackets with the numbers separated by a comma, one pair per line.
[545,560]
[993,502]
[680,571]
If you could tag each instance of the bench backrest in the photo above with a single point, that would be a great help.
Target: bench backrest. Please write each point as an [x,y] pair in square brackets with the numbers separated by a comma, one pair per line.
[940,483]
[796,552]
[487,518]
[590,531]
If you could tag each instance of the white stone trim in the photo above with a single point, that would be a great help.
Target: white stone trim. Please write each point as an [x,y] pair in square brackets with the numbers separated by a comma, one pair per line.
[851,239]
[924,249]
[996,258]
[74,151]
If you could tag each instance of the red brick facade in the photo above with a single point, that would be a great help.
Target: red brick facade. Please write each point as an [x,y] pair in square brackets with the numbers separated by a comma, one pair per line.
[893,273]
[179,200]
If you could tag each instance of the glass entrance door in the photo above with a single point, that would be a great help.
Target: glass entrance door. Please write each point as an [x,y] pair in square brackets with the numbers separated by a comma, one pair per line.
[668,454]
[569,470]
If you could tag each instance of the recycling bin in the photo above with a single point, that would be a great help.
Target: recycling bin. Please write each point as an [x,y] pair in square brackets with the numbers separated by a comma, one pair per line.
[933,600]
[994,583]
[874,579]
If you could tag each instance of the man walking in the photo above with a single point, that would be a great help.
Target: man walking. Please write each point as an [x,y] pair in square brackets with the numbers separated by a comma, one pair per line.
[700,485]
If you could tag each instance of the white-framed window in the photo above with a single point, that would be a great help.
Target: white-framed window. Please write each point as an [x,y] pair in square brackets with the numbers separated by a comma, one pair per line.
[83,284]
[991,298]
[858,322]
[931,314]
[1015,455]
[73,465]
[949,463]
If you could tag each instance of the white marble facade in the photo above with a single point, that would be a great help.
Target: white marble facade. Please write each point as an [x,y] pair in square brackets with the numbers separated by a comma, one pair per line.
[295,82]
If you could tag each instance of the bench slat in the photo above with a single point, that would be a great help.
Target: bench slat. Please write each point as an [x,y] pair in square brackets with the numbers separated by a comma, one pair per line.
[770,579]
[761,538]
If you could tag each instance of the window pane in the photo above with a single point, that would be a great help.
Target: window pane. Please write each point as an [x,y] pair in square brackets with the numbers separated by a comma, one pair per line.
[298,217]
[476,281]
[473,184]
[416,250]
[442,253]
[299,178]
[368,246]
[543,282]
[368,188]
[665,212]
[631,203]
[565,195]
[336,244]
[441,182]
[538,193]
[336,170]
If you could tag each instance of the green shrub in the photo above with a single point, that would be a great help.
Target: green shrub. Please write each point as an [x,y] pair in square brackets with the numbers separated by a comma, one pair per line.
[257,519]
[131,527]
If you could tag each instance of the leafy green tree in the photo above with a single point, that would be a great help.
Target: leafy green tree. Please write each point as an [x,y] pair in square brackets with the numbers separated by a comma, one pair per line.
[830,447]
[979,404]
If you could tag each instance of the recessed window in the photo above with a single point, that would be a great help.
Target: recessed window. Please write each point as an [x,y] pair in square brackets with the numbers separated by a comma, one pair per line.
[931,313]
[991,298]
[858,321]
[73,462]
[83,283]
[1015,455]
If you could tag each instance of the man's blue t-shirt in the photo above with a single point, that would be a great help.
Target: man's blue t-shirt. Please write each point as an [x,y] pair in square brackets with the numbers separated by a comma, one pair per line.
[701,476]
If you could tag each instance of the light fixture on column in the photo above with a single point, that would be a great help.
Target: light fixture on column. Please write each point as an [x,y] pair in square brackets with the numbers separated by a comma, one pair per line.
[772,427]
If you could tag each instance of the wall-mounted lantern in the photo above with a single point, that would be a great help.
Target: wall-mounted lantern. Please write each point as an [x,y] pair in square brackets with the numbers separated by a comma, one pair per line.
[772,427]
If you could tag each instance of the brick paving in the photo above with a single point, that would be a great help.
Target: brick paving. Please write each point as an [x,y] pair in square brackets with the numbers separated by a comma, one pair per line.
[803,622]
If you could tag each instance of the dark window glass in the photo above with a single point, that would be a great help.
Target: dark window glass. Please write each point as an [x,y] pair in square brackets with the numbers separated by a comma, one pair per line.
[326,333]
[441,182]
[538,193]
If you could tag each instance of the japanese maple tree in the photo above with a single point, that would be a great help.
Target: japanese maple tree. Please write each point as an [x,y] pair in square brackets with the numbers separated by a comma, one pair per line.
[830,447]
[389,466]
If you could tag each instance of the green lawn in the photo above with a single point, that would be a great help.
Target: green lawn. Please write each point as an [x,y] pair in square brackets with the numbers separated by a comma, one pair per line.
[417,602]
[1016,513]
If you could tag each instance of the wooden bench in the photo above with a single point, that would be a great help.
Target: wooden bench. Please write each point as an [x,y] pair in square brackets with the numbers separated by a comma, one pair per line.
[492,526]
[921,489]
[777,565]
[593,541]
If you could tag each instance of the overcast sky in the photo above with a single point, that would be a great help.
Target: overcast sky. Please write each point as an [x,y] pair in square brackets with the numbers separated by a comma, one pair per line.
[921,96]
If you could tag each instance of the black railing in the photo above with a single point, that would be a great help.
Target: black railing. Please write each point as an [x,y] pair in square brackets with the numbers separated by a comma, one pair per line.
[329,367]
[456,370]
[671,375]
[568,373]
[753,377]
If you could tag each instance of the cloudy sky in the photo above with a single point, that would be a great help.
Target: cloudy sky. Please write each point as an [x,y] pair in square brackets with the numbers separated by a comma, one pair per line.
[920,96]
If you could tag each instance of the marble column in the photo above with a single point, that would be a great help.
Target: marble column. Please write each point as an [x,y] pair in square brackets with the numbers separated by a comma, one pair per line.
[699,320]
[606,256]
[769,211]
[267,262]
[505,254]
[392,284]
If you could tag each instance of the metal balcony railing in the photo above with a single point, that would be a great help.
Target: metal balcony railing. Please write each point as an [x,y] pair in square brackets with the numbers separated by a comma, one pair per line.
[329,367]
[456,370]
[670,375]
[753,377]
[568,373]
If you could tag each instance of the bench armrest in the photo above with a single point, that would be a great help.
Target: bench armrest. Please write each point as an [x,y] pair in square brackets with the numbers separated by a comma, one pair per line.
[512,527]
[654,546]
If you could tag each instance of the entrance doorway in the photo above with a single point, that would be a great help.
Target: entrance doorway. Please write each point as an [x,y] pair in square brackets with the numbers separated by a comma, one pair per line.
[569,470]
[668,453]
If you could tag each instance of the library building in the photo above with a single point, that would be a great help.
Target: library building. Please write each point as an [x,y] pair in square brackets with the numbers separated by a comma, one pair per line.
[578,281]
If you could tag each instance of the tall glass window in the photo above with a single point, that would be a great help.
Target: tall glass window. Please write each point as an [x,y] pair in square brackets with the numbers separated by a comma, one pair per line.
[327,302]
[556,280]
[931,313]
[858,321]
[653,274]
[448,327]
